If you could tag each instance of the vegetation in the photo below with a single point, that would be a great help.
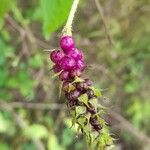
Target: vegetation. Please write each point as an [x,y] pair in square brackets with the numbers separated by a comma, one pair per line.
[113,35]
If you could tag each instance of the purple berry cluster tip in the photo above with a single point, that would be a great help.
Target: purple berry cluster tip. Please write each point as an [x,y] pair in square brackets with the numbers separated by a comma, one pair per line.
[69,60]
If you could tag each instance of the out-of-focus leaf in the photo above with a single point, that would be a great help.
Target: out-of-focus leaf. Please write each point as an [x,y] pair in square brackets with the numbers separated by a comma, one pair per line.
[68,122]
[4,146]
[36,61]
[53,143]
[5,125]
[84,99]
[36,131]
[65,140]
[97,91]
[54,13]
[29,146]
[5,5]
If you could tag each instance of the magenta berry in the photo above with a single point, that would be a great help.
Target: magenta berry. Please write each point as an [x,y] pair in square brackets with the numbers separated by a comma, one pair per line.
[56,68]
[56,56]
[66,43]
[65,84]
[90,93]
[73,95]
[88,82]
[91,110]
[80,65]
[75,72]
[64,75]
[68,63]
[81,86]
[76,54]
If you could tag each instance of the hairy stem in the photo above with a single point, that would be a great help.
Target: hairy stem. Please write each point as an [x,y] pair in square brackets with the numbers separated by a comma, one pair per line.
[68,27]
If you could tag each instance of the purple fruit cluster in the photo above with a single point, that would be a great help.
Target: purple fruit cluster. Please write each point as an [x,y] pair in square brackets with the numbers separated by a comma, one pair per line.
[80,88]
[69,61]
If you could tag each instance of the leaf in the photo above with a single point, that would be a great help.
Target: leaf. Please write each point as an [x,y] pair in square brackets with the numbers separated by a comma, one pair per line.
[65,140]
[68,123]
[80,110]
[4,146]
[53,143]
[82,121]
[97,91]
[5,125]
[94,102]
[54,14]
[5,5]
[84,99]
[77,79]
[36,131]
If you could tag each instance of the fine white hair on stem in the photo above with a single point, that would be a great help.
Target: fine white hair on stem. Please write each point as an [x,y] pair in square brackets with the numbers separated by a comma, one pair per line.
[68,27]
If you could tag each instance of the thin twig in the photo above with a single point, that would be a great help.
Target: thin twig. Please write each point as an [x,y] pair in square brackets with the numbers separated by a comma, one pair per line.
[26,32]
[126,125]
[31,105]
[123,123]
[100,9]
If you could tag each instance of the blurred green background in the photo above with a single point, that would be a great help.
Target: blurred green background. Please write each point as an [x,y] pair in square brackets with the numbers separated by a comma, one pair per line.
[32,116]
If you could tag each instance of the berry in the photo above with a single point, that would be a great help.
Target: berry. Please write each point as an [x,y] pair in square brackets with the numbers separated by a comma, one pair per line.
[91,110]
[75,73]
[56,56]
[88,82]
[67,63]
[80,65]
[95,124]
[90,93]
[56,68]
[72,103]
[64,75]
[93,121]
[73,95]
[65,84]
[108,120]
[81,86]
[66,43]
[98,127]
[76,54]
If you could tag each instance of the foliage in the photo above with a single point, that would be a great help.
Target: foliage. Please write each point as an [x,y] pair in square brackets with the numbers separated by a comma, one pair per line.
[122,71]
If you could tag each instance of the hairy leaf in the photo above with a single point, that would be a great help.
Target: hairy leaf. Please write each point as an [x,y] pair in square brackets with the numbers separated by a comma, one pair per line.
[54,13]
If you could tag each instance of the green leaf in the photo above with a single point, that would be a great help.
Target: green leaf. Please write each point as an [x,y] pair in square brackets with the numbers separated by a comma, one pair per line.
[54,14]
[4,146]
[84,99]
[77,79]
[53,143]
[68,123]
[80,110]
[97,91]
[5,5]
[36,61]
[94,102]
[3,124]
[82,121]
[36,131]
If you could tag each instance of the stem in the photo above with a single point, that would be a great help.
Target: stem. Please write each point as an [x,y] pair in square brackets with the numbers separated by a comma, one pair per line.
[68,27]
